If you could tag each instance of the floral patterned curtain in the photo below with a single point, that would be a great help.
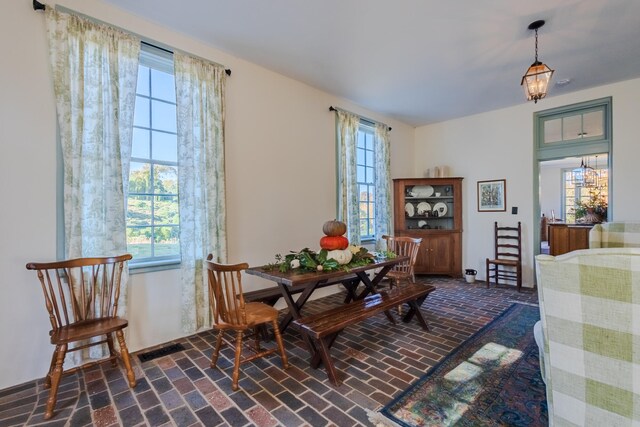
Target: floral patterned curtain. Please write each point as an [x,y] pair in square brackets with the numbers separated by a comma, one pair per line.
[347,129]
[95,68]
[383,194]
[200,92]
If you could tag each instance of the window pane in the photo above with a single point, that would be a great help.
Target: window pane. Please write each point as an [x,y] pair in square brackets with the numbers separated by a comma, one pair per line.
[165,146]
[163,116]
[166,179]
[166,210]
[139,178]
[143,80]
[166,241]
[360,172]
[141,114]
[371,210]
[572,127]
[363,227]
[140,144]
[163,86]
[364,192]
[593,124]
[360,156]
[552,131]
[139,242]
[369,141]
[360,139]
[139,210]
[369,156]
[370,176]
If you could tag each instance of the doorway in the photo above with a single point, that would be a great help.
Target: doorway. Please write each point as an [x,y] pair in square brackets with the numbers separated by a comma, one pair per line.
[572,190]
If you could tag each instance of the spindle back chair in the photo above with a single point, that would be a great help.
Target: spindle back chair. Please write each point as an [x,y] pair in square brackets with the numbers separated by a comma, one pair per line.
[230,312]
[81,297]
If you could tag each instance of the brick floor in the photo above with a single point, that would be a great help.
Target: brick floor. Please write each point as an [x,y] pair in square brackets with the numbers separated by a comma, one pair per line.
[376,359]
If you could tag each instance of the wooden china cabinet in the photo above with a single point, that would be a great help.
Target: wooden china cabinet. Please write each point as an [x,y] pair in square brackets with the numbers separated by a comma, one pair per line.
[431,208]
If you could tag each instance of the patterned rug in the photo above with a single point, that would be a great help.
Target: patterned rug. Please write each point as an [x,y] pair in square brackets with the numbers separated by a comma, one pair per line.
[491,379]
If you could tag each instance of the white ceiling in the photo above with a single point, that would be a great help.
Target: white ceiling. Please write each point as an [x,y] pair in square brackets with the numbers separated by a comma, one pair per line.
[419,61]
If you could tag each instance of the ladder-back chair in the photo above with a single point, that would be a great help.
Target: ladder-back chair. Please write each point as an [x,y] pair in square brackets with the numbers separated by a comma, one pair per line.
[507,263]
[231,313]
[81,296]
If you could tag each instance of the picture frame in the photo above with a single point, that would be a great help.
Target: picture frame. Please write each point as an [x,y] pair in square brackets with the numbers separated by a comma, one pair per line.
[492,195]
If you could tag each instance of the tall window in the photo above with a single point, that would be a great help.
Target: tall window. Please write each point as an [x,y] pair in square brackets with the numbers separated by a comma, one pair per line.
[577,199]
[152,207]
[366,183]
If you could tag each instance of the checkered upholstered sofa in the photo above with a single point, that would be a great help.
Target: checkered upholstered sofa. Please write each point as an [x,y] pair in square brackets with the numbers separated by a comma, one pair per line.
[615,235]
[590,313]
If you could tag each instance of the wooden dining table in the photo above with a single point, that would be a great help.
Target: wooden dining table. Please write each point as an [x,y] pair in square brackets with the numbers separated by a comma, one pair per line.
[312,279]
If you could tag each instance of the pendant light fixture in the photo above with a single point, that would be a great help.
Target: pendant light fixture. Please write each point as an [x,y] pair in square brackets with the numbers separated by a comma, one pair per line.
[585,176]
[536,79]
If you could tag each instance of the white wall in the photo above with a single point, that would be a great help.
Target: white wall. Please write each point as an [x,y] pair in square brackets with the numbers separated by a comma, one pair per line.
[280,160]
[499,144]
[551,191]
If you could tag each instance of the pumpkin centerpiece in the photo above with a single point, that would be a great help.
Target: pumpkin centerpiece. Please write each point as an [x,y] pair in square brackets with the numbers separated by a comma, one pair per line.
[334,239]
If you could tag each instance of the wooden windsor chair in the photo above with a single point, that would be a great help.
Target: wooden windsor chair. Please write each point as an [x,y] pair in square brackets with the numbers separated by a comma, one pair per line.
[232,313]
[81,296]
[402,246]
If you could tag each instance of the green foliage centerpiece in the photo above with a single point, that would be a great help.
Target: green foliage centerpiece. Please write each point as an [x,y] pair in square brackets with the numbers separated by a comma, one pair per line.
[308,260]
[335,253]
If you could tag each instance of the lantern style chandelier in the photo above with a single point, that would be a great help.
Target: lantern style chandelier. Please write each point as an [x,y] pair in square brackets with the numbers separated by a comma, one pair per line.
[585,176]
[536,80]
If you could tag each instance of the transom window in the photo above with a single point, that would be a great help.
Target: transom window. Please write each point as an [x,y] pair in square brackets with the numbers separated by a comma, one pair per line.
[152,205]
[365,169]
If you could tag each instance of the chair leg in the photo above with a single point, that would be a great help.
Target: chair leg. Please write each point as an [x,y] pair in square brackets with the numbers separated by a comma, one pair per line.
[47,379]
[56,374]
[112,350]
[126,359]
[216,351]
[488,277]
[256,337]
[236,364]
[278,336]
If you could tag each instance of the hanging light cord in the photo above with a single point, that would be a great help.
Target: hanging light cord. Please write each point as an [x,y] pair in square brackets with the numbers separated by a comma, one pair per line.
[536,45]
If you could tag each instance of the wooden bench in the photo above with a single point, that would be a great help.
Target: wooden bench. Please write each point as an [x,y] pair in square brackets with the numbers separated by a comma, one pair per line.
[323,328]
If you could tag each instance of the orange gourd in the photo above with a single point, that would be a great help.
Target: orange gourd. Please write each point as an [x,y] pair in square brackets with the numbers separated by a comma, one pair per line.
[331,243]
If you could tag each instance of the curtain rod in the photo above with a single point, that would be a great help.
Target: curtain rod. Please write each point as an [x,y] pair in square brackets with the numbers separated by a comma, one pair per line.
[364,119]
[40,6]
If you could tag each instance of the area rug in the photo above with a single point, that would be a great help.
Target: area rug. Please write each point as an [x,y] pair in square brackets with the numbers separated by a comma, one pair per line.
[491,379]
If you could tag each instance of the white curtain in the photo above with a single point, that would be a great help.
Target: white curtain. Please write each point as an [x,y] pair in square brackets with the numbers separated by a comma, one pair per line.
[200,93]
[382,184]
[348,210]
[95,68]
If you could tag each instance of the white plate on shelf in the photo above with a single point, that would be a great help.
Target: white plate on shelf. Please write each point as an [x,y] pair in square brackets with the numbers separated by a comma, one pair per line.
[409,209]
[422,191]
[441,208]
[423,208]
[422,223]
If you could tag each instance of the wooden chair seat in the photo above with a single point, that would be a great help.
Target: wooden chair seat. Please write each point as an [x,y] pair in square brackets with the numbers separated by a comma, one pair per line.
[87,329]
[231,312]
[504,262]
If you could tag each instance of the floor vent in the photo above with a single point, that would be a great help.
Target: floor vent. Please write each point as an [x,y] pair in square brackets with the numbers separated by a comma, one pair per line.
[159,352]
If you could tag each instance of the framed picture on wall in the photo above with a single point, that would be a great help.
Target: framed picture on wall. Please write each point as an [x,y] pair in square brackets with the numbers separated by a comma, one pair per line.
[492,195]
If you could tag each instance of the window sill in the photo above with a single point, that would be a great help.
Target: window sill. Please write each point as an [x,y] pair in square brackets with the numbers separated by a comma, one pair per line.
[151,266]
